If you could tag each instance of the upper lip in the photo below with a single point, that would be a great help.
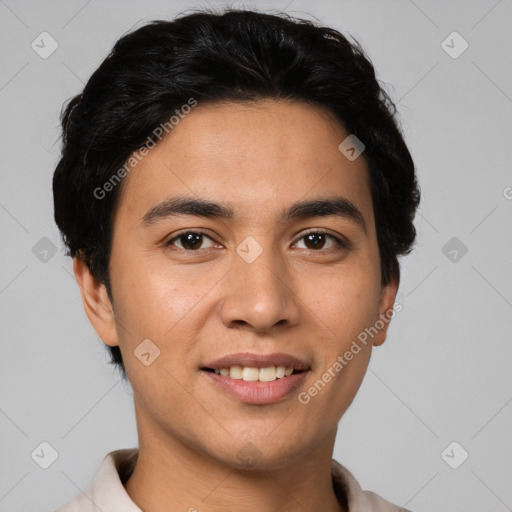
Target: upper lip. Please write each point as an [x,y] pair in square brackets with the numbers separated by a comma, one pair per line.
[258,361]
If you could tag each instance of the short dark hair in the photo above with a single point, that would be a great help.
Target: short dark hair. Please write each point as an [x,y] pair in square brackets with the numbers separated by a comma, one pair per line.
[233,55]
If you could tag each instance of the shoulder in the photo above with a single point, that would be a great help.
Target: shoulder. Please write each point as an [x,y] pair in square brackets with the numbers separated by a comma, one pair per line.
[106,491]
[80,503]
[359,500]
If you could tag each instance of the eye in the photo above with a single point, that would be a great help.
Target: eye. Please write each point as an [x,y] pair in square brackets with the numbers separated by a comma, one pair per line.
[190,240]
[316,240]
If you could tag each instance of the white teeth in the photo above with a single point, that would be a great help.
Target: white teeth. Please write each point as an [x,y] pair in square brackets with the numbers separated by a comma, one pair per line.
[268,374]
[235,372]
[280,372]
[252,374]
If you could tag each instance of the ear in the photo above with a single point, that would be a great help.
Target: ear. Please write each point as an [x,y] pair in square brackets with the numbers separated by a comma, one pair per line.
[96,303]
[386,310]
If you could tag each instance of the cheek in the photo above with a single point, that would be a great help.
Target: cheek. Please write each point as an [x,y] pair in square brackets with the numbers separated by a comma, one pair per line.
[152,296]
[166,306]
[343,303]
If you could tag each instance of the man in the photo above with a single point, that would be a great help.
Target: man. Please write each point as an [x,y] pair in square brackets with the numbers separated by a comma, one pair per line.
[235,193]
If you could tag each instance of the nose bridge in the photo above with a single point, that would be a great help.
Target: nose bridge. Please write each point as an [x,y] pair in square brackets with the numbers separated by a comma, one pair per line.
[260,266]
[259,292]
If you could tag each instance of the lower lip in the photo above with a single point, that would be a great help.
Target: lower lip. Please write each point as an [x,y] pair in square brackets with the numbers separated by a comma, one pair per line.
[257,392]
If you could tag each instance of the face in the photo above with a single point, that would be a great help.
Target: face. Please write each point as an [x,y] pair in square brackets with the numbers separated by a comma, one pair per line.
[255,282]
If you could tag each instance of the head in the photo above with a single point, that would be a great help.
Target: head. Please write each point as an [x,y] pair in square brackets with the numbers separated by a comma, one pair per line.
[184,162]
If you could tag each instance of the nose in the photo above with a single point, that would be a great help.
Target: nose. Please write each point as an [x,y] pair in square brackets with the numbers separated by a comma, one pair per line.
[259,294]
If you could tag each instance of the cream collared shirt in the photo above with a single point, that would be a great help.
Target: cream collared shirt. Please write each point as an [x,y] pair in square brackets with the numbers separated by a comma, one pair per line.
[107,493]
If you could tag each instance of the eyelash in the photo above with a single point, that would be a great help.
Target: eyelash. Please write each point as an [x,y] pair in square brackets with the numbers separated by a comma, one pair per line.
[341,244]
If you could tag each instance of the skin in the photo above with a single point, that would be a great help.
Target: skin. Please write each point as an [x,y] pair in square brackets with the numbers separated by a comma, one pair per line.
[198,304]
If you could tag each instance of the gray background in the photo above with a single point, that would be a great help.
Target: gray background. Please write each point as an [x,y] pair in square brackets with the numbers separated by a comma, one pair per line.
[444,373]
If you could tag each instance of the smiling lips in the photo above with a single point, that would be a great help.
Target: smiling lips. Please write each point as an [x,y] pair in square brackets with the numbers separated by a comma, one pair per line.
[257,378]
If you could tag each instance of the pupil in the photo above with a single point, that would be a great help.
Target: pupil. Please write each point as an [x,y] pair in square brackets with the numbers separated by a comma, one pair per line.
[314,239]
[189,239]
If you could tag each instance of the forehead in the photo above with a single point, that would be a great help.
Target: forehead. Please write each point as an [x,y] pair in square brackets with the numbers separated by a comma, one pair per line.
[255,157]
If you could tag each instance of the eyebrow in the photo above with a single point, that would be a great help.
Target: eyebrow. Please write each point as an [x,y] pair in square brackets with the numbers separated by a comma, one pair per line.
[318,207]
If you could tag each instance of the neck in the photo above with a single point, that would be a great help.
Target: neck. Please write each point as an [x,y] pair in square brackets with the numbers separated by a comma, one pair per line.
[170,476]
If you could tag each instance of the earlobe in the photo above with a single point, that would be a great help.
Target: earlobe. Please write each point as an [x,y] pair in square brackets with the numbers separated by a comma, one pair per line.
[97,305]
[386,310]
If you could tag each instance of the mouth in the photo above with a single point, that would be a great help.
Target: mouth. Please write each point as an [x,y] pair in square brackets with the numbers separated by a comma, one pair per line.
[257,378]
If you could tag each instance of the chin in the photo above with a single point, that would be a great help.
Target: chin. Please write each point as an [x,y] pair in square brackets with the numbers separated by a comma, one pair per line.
[260,455]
